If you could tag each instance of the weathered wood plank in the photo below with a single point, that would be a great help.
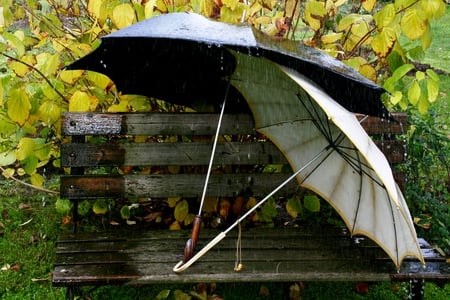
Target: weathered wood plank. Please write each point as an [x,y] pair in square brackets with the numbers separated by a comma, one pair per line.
[377,126]
[164,154]
[173,185]
[154,124]
[189,124]
[306,255]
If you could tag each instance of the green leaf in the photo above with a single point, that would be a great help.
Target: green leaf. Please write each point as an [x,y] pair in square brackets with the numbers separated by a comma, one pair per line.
[125,212]
[181,210]
[30,164]
[414,93]
[413,24]
[401,71]
[416,54]
[84,207]
[100,207]
[294,207]
[312,203]
[432,75]
[19,106]
[63,206]
[15,42]
[7,158]
[162,295]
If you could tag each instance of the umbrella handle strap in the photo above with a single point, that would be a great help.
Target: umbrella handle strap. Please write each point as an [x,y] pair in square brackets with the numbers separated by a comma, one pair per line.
[181,266]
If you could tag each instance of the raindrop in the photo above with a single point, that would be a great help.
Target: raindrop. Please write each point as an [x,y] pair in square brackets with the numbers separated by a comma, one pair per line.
[104,66]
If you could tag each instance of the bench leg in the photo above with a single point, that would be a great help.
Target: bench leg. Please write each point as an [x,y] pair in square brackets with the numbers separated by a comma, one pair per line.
[417,289]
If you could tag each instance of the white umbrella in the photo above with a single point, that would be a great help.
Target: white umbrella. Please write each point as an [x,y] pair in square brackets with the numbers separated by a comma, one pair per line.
[329,152]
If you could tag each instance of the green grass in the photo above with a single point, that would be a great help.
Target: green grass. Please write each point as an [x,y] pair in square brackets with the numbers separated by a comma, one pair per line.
[28,228]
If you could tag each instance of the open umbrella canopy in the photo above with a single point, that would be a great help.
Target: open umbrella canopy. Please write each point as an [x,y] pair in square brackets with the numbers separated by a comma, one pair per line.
[300,99]
[185,58]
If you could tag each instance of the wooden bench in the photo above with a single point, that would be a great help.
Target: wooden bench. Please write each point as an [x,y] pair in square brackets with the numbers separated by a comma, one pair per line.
[171,162]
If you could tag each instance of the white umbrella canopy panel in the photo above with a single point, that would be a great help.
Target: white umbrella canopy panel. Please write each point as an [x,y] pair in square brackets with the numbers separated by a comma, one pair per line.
[352,175]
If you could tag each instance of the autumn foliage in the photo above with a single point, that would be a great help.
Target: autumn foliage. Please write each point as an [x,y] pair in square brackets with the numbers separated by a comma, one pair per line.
[38,38]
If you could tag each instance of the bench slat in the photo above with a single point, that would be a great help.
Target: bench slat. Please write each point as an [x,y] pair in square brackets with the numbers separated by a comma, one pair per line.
[154,124]
[164,154]
[307,255]
[172,185]
[188,124]
[183,154]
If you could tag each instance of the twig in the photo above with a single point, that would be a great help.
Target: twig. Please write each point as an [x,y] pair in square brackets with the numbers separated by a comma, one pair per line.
[30,185]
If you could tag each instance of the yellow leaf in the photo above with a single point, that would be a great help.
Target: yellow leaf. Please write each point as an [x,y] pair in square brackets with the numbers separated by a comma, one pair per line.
[123,15]
[181,210]
[94,7]
[82,102]
[369,72]
[414,93]
[70,76]
[314,14]
[385,16]
[149,8]
[25,148]
[22,69]
[413,24]
[47,63]
[355,62]
[396,97]
[423,105]
[433,9]
[49,112]
[232,4]
[99,80]
[122,106]
[8,173]
[19,106]
[426,37]
[263,20]
[331,38]
[433,89]
[172,201]
[382,43]
[368,4]
[37,179]
[175,226]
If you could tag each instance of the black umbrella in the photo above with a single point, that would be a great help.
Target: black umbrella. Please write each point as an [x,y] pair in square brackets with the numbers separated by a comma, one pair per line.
[299,97]
[185,59]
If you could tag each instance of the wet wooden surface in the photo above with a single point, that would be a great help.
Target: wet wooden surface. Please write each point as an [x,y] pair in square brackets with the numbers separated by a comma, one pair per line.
[284,254]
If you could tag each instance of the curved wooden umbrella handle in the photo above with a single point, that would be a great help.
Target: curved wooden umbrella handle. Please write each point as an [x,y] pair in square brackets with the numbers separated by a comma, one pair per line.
[189,249]
[182,265]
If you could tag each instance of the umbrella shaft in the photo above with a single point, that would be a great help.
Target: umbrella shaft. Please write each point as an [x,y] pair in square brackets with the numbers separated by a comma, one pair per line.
[208,173]
[250,211]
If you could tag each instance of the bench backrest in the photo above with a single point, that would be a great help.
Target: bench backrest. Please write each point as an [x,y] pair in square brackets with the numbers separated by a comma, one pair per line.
[162,155]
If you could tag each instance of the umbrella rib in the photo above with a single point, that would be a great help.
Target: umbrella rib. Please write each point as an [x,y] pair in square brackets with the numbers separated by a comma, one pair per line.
[325,130]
